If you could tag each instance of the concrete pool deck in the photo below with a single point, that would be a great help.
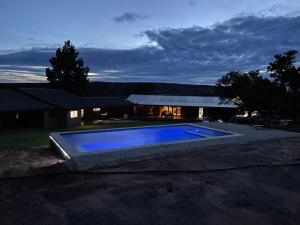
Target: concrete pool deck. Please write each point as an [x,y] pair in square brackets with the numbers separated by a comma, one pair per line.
[248,134]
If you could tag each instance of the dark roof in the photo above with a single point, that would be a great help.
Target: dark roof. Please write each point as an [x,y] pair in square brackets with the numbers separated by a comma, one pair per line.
[67,100]
[11,100]
[55,97]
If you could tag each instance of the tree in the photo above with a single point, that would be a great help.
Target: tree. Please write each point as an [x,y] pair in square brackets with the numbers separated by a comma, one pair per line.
[280,93]
[68,71]
[249,91]
[287,75]
[285,72]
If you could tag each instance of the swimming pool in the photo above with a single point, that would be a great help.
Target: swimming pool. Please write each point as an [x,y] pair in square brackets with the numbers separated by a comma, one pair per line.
[108,140]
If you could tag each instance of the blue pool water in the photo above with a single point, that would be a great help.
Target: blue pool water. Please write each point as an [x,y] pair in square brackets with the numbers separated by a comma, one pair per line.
[93,141]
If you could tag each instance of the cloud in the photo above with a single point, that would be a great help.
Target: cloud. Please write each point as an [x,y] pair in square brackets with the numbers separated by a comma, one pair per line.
[20,76]
[129,17]
[197,55]
[242,42]
[275,10]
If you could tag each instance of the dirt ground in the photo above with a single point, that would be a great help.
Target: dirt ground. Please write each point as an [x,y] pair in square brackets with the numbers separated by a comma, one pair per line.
[15,163]
[254,183]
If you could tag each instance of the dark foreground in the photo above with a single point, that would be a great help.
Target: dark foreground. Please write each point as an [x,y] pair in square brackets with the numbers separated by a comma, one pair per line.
[256,183]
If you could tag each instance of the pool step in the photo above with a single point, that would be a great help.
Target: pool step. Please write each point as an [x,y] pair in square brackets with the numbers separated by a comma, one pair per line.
[195,133]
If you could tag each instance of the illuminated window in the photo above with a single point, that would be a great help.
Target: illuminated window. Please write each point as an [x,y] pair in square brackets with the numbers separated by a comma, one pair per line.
[74,114]
[174,110]
[200,115]
[96,109]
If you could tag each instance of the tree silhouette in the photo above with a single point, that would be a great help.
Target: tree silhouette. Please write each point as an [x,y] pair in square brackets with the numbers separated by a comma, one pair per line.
[287,75]
[68,71]
[285,72]
[249,91]
[279,93]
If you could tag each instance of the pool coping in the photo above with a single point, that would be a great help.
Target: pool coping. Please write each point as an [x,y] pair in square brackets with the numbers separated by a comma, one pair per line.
[245,134]
[68,151]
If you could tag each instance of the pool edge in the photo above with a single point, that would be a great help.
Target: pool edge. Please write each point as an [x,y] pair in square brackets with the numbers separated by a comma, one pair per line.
[67,148]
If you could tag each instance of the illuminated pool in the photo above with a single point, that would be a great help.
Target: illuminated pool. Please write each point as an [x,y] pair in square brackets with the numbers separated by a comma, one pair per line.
[126,138]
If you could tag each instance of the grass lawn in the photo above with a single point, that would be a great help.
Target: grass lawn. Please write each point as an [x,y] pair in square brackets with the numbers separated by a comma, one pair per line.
[26,139]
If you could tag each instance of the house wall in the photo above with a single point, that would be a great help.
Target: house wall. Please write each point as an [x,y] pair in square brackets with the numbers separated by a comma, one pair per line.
[61,118]
[31,118]
[54,118]
[73,122]
[49,120]
[8,120]
[24,119]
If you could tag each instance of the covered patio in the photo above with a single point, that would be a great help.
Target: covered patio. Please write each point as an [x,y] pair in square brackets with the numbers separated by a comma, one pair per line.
[182,107]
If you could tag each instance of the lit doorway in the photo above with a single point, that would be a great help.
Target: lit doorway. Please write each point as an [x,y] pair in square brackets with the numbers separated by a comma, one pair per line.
[200,114]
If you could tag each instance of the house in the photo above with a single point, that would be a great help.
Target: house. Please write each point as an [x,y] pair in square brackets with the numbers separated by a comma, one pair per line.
[43,107]
[71,109]
[19,110]
[48,108]
[182,107]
